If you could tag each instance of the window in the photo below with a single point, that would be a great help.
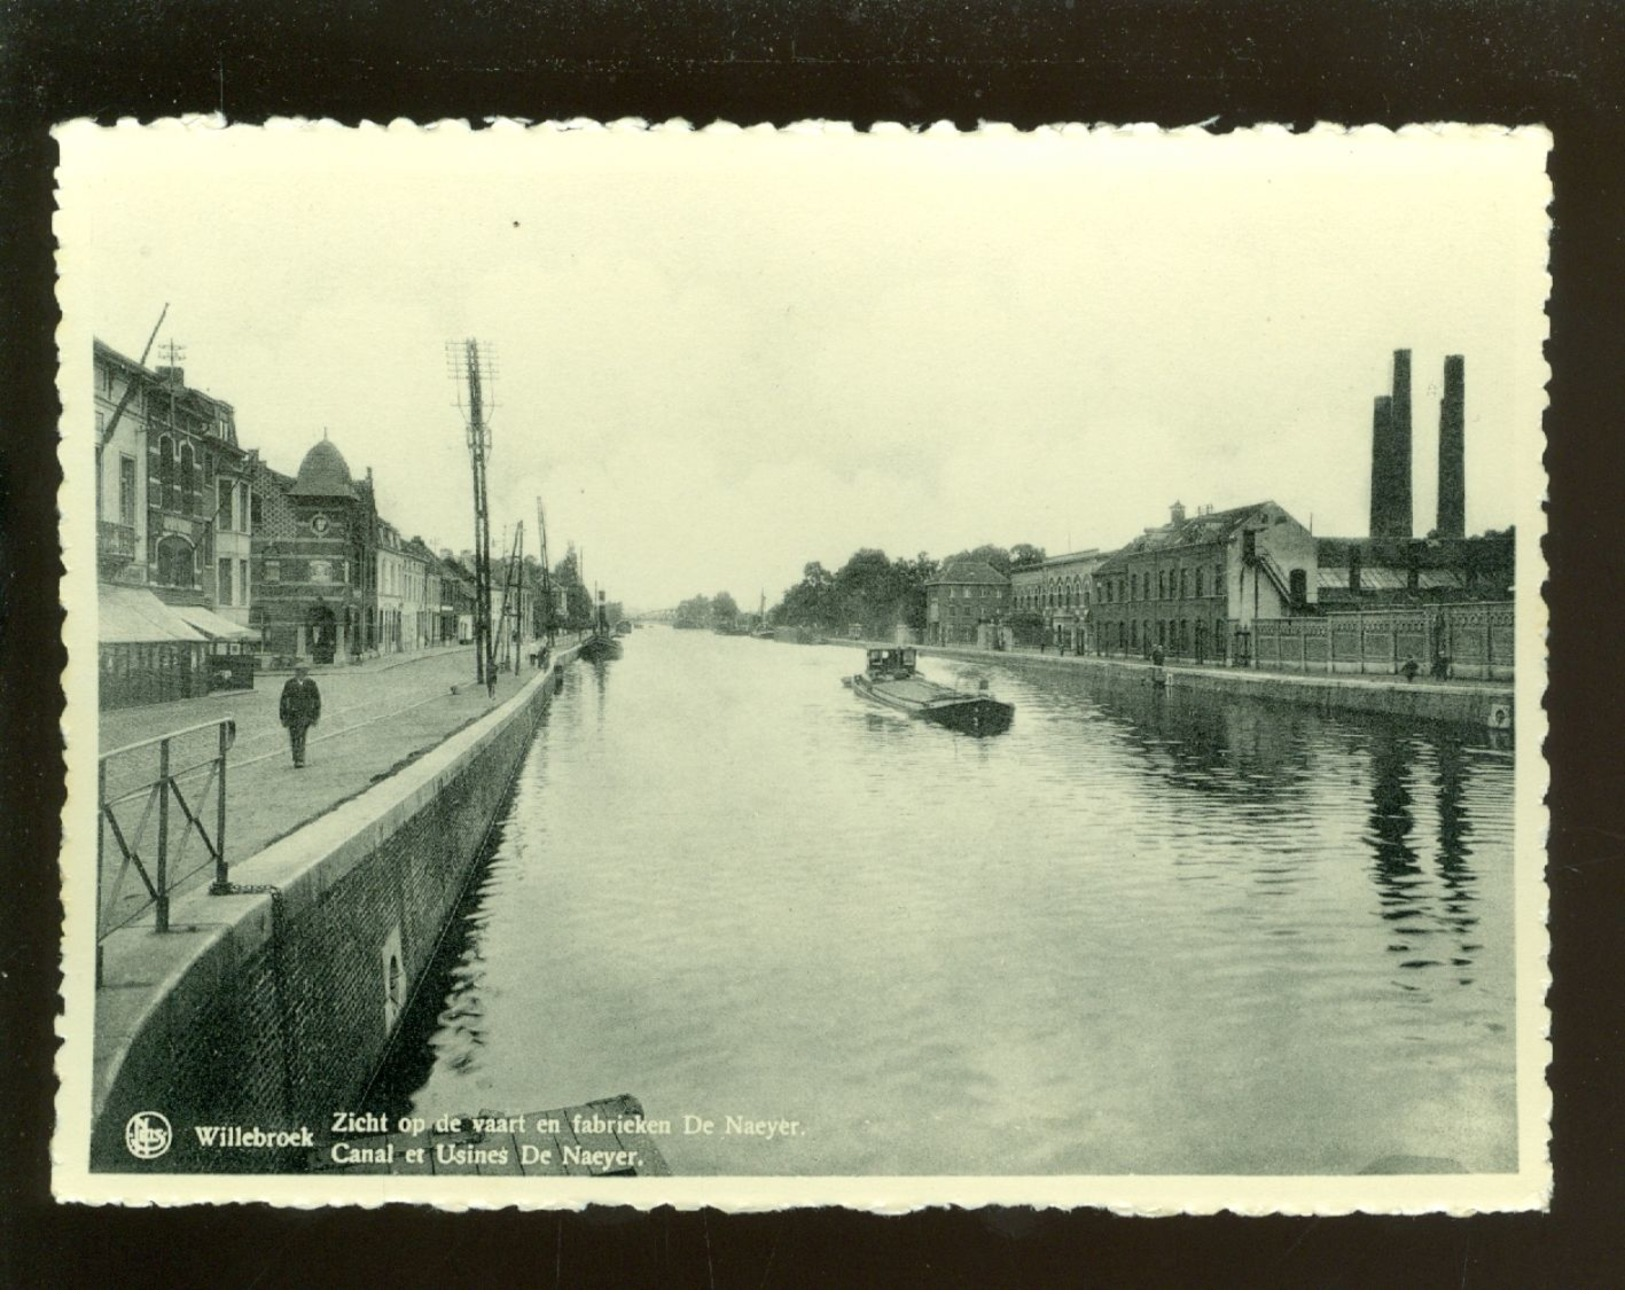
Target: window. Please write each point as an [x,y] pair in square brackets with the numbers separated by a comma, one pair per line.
[242,581]
[169,491]
[126,490]
[1218,580]
[1199,589]
[1184,582]
[175,562]
[222,595]
[242,506]
[1298,582]
[188,489]
[223,495]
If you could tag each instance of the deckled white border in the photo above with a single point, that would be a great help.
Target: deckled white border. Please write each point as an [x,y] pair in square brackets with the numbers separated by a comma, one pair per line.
[1529,1188]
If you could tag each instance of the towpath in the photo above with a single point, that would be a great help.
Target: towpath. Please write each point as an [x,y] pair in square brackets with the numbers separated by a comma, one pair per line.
[375,717]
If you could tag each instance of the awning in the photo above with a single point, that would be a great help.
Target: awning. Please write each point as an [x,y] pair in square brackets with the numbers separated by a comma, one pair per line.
[127,615]
[216,626]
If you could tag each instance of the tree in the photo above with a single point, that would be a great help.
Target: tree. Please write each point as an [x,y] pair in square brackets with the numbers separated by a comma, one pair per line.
[576,600]
[1023,556]
[724,610]
[996,557]
[693,613]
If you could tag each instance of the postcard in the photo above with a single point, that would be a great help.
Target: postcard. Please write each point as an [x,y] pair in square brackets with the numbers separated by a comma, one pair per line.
[759,667]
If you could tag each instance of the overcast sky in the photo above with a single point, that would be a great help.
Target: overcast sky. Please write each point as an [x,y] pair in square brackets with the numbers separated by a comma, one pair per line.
[721,356]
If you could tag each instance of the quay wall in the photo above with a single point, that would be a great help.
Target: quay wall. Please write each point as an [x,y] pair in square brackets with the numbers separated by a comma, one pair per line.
[273,1007]
[1480,705]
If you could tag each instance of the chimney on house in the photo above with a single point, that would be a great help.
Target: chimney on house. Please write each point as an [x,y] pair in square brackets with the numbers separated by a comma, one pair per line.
[1452,450]
[1391,456]
[1176,514]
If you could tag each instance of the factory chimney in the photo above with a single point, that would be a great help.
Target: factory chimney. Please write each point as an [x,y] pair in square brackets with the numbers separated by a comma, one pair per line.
[1452,450]
[1391,456]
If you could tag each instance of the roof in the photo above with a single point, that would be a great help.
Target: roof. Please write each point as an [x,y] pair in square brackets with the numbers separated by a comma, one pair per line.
[215,626]
[968,572]
[1194,531]
[324,473]
[131,615]
[1386,579]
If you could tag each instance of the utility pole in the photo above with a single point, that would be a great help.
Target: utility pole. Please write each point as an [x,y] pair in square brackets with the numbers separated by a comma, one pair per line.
[131,385]
[474,365]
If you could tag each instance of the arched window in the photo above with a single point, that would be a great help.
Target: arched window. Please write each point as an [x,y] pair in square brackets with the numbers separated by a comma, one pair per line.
[189,491]
[175,562]
[1200,574]
[169,493]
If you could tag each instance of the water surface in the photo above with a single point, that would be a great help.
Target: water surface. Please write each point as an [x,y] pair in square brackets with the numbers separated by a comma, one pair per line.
[1135,934]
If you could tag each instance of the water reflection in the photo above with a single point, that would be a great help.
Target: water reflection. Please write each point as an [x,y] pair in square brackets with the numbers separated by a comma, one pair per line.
[1231,748]
[1430,903]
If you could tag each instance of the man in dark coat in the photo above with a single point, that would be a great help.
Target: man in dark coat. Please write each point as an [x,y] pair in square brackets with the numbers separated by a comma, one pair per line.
[300,709]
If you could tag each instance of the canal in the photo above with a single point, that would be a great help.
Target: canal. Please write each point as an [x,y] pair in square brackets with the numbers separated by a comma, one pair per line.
[1135,934]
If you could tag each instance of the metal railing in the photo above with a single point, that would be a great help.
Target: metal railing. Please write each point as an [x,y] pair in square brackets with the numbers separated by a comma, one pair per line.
[124,816]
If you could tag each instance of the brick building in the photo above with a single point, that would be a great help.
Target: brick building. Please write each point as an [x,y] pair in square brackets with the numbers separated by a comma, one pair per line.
[959,598]
[1195,585]
[173,520]
[315,558]
[1363,573]
[1060,589]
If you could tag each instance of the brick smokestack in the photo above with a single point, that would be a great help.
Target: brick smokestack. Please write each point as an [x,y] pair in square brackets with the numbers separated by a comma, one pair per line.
[1382,435]
[1391,456]
[1453,450]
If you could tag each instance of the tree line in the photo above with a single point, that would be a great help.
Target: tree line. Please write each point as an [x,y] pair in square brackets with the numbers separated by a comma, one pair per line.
[874,593]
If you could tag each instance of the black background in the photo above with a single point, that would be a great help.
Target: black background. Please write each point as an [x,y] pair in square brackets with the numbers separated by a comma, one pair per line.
[1294,62]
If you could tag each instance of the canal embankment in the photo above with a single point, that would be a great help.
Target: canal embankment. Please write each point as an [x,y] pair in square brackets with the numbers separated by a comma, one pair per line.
[272,1005]
[1480,704]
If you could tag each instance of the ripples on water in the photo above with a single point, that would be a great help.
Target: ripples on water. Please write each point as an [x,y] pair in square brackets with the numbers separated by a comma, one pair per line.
[1177,934]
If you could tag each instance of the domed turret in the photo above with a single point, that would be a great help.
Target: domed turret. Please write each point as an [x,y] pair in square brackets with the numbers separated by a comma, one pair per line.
[324,472]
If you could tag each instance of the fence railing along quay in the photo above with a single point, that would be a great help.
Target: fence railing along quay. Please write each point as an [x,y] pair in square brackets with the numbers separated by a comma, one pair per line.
[178,782]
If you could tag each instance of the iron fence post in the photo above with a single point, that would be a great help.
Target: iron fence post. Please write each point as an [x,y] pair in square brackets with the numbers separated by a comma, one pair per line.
[162,897]
[220,880]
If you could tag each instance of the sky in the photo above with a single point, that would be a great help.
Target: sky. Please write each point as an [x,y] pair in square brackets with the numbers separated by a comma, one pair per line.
[722,354]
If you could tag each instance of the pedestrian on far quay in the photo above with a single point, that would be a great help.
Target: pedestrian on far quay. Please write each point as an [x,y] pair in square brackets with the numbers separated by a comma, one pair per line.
[300,709]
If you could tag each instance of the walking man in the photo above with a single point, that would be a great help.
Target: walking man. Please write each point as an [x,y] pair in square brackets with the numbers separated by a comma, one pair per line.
[300,709]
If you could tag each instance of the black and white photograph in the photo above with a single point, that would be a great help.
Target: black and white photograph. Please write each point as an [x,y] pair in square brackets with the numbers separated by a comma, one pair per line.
[749,666]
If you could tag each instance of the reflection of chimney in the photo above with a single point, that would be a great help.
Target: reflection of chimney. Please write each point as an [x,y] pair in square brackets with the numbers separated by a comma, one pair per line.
[1452,450]
[1176,514]
[1391,456]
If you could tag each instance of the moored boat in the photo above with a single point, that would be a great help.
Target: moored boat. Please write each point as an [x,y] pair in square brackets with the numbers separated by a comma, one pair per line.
[891,679]
[601,644]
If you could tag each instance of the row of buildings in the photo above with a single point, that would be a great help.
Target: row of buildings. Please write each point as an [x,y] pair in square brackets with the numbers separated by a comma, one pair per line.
[1214,586]
[208,559]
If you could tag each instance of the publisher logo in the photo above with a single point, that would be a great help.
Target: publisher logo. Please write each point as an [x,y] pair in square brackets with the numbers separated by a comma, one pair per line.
[147,1135]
